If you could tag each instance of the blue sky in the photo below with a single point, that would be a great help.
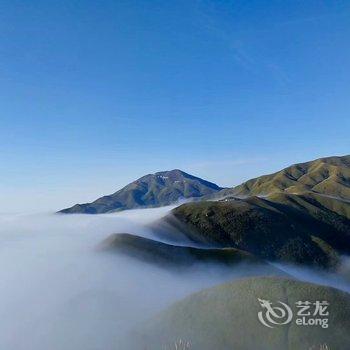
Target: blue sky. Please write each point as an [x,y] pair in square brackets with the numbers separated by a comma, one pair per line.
[94,94]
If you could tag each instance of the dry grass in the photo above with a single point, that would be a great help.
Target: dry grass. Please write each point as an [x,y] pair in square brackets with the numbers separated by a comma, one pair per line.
[185,345]
[179,344]
[320,347]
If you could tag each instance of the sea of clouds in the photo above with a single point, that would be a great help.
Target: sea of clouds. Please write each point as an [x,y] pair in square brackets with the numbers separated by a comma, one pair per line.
[58,292]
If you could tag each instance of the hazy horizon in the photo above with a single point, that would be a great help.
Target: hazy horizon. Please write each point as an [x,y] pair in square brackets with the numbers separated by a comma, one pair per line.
[51,199]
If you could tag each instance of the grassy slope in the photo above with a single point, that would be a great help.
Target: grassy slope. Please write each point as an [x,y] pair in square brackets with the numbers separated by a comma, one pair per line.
[329,176]
[225,318]
[289,228]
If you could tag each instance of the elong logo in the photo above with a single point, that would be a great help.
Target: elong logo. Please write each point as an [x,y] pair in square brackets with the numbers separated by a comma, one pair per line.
[279,313]
[274,315]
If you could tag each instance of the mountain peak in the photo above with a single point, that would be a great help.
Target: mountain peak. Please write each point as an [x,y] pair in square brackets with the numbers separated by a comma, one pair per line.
[152,190]
[173,171]
[176,174]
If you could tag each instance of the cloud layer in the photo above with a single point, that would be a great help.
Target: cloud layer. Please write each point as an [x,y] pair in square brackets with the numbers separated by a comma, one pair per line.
[58,292]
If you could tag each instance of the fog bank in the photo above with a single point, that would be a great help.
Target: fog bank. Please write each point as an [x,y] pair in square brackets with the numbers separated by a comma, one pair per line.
[58,292]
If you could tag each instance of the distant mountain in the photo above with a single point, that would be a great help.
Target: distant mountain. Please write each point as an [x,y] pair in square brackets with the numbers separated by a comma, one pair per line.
[153,190]
[328,176]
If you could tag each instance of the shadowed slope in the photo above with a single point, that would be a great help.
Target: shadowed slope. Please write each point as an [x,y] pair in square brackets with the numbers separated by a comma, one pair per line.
[271,230]
[167,255]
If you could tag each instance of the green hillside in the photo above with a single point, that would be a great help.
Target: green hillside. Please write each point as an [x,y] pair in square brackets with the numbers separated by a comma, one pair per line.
[225,317]
[270,230]
[329,176]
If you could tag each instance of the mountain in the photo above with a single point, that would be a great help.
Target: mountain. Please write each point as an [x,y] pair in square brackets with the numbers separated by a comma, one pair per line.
[226,317]
[328,176]
[153,190]
[271,230]
[300,214]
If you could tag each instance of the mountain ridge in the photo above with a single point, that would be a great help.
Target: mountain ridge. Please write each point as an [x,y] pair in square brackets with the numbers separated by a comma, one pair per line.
[168,255]
[300,214]
[328,176]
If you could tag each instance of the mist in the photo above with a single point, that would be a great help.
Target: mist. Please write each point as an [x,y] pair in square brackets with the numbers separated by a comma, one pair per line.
[59,292]
[339,279]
